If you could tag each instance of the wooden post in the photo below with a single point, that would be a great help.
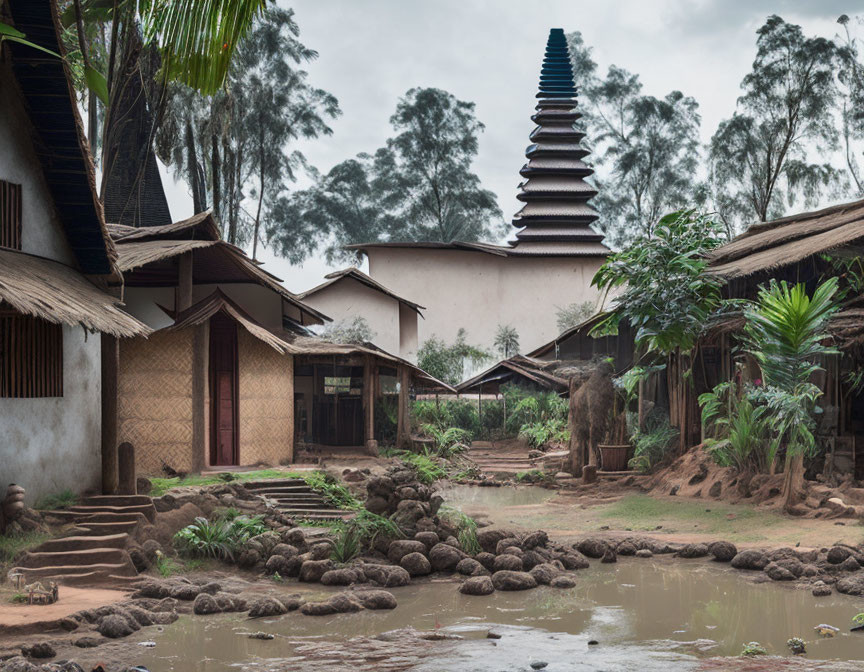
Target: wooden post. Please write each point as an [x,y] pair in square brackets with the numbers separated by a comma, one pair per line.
[127,484]
[184,282]
[403,432]
[369,406]
[109,371]
[199,395]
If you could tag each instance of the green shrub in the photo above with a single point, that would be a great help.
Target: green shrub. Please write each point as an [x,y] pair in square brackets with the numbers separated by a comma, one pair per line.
[466,529]
[427,468]
[448,442]
[525,406]
[652,443]
[57,502]
[346,543]
[740,431]
[545,432]
[219,539]
[332,490]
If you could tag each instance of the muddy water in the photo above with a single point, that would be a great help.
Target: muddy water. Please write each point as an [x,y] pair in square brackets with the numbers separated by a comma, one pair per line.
[666,614]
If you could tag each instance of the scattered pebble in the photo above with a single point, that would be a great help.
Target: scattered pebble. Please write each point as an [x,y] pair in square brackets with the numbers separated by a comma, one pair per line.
[593,642]
[493,635]
[148,644]
[826,630]
[261,635]
[539,665]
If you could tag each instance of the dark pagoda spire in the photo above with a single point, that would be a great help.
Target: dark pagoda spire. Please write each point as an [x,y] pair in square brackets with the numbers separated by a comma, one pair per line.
[556,215]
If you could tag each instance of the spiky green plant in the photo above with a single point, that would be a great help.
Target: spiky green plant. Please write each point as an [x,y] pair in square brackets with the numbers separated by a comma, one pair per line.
[204,538]
[466,528]
[448,442]
[346,543]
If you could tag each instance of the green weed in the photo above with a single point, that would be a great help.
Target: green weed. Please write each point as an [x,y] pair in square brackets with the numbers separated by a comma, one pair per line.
[57,501]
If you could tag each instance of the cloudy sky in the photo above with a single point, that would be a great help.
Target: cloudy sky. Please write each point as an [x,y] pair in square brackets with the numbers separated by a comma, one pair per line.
[489,52]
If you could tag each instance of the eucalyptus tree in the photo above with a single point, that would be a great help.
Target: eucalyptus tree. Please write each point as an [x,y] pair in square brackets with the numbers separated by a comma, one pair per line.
[767,155]
[850,75]
[647,147]
[238,143]
[418,187]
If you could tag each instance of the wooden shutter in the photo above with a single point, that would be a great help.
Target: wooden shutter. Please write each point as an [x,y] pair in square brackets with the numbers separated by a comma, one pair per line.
[31,356]
[10,215]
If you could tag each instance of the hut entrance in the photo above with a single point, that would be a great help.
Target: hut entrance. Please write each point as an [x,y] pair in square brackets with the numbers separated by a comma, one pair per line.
[223,390]
[328,402]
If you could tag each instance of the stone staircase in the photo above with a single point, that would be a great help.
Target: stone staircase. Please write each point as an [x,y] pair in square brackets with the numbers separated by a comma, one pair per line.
[95,553]
[294,498]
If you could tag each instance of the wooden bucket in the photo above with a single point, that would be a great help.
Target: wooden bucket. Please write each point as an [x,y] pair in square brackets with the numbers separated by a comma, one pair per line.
[614,458]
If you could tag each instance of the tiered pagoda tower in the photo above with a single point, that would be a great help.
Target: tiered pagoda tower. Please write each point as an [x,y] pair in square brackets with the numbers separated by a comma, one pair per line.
[556,218]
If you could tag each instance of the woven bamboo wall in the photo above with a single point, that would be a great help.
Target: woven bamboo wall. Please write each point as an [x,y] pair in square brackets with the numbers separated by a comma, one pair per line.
[266,402]
[155,399]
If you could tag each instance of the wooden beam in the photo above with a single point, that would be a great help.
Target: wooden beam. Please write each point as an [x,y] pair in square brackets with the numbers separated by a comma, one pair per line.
[200,416]
[109,368]
[403,433]
[184,282]
[369,406]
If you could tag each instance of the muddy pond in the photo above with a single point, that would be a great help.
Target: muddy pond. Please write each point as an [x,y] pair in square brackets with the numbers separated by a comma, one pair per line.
[660,612]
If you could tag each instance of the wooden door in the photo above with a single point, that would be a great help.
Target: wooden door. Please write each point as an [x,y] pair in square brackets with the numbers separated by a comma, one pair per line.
[223,391]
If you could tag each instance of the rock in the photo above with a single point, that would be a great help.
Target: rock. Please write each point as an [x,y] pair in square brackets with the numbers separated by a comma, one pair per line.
[378,505]
[339,577]
[504,545]
[693,551]
[276,564]
[609,557]
[428,539]
[139,558]
[851,585]
[311,571]
[416,564]
[539,664]
[376,599]
[267,606]
[534,539]
[486,559]
[38,650]
[285,550]
[850,564]
[750,560]
[229,602]
[444,557]
[115,626]
[574,560]
[723,551]
[470,567]
[777,573]
[509,580]
[205,604]
[563,581]
[644,553]
[340,603]
[402,547]
[294,537]
[18,664]
[508,562]
[261,635]
[820,589]
[592,547]
[489,539]
[626,548]
[477,585]
[838,554]
[249,558]
[87,642]
[387,576]
[143,486]
[544,573]
[320,551]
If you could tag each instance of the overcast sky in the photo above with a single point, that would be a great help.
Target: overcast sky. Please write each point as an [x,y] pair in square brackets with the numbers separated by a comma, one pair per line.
[489,52]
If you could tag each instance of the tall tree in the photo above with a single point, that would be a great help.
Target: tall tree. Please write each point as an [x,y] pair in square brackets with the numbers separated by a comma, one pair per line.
[647,147]
[765,157]
[850,76]
[419,187]
[243,135]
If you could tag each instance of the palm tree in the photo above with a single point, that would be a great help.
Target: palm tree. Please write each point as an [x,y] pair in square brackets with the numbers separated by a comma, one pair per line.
[785,333]
[507,341]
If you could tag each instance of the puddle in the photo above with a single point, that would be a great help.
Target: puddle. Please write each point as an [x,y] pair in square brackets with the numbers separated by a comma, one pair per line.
[472,497]
[663,613]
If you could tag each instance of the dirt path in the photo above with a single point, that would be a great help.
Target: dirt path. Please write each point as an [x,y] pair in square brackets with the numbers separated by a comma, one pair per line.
[23,618]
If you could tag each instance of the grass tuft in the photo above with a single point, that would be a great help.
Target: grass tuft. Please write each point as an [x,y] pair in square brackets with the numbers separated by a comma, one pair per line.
[57,501]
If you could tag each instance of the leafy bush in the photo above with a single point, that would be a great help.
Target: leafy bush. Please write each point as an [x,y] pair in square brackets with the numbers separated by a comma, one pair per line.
[544,432]
[740,429]
[653,441]
[446,362]
[346,543]
[448,442]
[457,413]
[492,420]
[466,529]
[525,406]
[332,490]
[427,468]
[218,539]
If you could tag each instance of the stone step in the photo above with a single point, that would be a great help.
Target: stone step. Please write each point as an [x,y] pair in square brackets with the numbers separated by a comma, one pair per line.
[87,528]
[275,483]
[87,518]
[316,506]
[93,573]
[81,543]
[87,556]
[322,517]
[148,510]
[304,511]
[288,490]
[116,500]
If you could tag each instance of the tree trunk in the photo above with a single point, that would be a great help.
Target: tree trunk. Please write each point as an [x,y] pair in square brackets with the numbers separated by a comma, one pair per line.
[216,178]
[576,457]
[793,481]
[192,170]
[260,196]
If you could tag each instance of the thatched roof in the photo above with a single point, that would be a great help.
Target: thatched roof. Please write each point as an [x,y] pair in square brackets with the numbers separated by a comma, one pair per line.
[215,261]
[354,273]
[59,138]
[527,249]
[59,294]
[517,369]
[219,302]
[197,227]
[583,327]
[785,241]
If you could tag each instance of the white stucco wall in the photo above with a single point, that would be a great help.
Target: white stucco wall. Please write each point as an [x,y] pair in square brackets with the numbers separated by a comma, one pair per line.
[481,291]
[53,444]
[42,233]
[346,299]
